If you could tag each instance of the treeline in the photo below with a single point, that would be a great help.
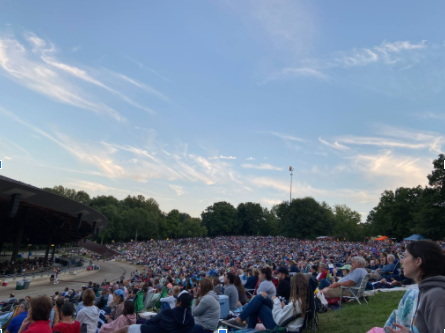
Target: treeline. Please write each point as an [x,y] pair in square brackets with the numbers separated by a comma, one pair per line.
[136,217]
[406,211]
[398,214]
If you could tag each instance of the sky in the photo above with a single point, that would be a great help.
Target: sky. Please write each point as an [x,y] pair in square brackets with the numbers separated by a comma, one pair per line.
[195,102]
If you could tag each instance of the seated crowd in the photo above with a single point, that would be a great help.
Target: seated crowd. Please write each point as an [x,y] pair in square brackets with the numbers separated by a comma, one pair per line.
[262,293]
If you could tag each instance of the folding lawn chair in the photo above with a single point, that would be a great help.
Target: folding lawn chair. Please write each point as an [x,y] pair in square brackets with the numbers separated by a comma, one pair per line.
[360,291]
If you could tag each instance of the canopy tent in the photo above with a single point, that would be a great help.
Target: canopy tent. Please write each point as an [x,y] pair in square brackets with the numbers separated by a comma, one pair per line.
[381,238]
[415,237]
[324,237]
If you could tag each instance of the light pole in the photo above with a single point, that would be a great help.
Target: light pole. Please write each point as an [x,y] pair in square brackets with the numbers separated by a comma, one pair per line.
[290,193]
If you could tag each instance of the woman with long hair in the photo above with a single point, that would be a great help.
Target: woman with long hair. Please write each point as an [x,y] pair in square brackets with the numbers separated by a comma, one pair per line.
[128,317]
[242,298]
[424,262]
[206,309]
[272,312]
[299,285]
[56,313]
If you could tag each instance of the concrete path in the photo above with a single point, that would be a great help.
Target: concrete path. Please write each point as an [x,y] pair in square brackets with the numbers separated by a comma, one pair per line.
[109,270]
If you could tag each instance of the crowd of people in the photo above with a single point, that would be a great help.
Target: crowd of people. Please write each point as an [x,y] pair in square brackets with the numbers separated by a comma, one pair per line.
[25,265]
[266,281]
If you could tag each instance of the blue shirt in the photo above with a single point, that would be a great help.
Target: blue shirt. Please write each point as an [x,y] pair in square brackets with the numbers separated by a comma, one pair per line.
[16,322]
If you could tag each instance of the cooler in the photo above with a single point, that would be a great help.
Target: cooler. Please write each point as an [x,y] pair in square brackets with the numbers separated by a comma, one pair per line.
[224,305]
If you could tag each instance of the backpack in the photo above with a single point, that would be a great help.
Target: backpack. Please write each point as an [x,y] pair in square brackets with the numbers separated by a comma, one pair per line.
[103,300]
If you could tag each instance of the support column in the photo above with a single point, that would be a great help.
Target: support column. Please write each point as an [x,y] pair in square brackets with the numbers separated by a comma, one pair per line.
[1,246]
[17,243]
[54,251]
[48,246]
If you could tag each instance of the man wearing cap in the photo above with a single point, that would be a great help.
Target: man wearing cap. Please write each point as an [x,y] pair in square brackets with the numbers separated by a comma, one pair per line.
[283,290]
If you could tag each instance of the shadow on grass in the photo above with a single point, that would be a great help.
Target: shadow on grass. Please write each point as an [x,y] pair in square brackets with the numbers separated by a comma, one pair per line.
[356,318]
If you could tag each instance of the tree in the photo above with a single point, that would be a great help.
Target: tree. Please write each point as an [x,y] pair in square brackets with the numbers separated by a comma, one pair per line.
[221,219]
[305,218]
[347,223]
[191,227]
[272,225]
[251,218]
[70,193]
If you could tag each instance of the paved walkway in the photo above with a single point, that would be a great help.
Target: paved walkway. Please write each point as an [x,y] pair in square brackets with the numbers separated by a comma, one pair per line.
[109,270]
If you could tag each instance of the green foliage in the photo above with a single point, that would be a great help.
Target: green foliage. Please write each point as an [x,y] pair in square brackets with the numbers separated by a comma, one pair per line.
[347,223]
[412,210]
[70,193]
[251,218]
[221,219]
[305,218]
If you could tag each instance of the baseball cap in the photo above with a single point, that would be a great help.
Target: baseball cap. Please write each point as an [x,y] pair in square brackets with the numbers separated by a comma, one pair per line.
[181,293]
[283,270]
[120,292]
[185,299]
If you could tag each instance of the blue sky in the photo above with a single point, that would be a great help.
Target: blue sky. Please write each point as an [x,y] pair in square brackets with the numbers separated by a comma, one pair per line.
[193,102]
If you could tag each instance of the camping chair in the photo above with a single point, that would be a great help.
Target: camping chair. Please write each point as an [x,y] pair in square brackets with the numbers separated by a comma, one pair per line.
[14,312]
[359,291]
[250,292]
[164,294]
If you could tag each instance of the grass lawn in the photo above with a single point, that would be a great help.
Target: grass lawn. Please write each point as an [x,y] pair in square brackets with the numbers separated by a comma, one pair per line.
[356,318]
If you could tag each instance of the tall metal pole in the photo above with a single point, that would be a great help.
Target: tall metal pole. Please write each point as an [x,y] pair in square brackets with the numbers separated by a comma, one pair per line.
[290,193]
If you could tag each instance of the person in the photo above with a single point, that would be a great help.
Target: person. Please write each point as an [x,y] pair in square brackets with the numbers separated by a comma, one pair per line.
[117,304]
[424,262]
[272,312]
[16,322]
[389,268]
[297,304]
[242,297]
[283,290]
[170,300]
[56,316]
[89,314]
[67,324]
[177,320]
[38,316]
[206,309]
[323,268]
[128,317]
[266,284]
[293,267]
[252,278]
[353,279]
[216,286]
[231,291]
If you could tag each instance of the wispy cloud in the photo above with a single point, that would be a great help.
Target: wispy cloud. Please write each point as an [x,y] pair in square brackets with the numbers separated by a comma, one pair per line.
[141,85]
[262,166]
[291,72]
[222,157]
[379,142]
[148,68]
[393,170]
[96,188]
[178,189]
[250,159]
[8,158]
[388,53]
[25,68]
[334,145]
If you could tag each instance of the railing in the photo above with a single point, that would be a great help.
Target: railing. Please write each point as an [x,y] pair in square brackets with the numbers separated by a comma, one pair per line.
[48,272]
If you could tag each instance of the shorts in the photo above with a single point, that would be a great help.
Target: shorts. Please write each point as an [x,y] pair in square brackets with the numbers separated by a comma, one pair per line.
[136,328]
